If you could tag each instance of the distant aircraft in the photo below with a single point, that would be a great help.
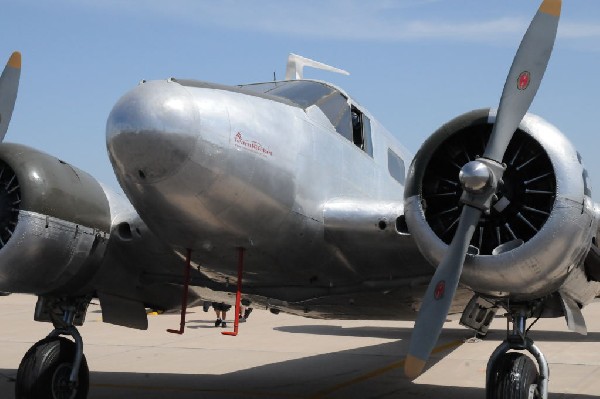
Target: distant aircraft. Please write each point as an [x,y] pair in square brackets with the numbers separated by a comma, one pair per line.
[296,187]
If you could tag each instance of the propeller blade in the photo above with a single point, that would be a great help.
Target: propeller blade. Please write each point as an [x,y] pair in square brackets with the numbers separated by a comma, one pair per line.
[439,295]
[524,77]
[521,85]
[9,85]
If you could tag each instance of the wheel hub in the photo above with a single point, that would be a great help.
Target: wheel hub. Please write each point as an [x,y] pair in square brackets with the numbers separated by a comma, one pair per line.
[62,388]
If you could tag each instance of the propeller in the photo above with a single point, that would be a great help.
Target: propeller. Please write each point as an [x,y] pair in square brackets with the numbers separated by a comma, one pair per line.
[9,85]
[480,178]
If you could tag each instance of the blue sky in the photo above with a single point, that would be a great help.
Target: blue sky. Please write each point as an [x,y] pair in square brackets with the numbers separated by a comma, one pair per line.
[413,64]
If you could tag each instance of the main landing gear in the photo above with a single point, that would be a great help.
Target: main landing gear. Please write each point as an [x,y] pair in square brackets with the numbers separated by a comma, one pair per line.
[55,367]
[513,375]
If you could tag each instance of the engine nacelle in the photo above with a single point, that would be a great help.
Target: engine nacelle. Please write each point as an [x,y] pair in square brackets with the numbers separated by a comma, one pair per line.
[540,226]
[54,223]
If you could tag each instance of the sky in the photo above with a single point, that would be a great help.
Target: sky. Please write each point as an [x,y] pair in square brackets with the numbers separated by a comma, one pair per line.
[414,64]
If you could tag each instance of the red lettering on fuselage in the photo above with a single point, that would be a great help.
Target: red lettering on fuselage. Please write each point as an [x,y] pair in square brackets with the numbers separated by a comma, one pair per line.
[251,145]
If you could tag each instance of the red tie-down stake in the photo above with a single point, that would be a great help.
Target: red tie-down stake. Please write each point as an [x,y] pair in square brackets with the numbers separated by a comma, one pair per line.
[238,294]
[184,299]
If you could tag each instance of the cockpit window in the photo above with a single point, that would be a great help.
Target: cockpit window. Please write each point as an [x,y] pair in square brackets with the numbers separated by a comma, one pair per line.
[306,93]
[335,107]
[302,92]
[347,120]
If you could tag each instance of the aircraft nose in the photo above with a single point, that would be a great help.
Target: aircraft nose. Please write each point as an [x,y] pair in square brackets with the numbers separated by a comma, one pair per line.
[152,131]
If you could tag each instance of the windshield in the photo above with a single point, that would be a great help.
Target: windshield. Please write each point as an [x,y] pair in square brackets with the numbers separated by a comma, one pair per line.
[306,93]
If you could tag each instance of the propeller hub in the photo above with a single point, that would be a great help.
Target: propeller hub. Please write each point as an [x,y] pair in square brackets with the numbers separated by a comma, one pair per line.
[475,177]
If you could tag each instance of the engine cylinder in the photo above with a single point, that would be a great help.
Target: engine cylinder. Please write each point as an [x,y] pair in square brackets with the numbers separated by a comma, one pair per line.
[541,221]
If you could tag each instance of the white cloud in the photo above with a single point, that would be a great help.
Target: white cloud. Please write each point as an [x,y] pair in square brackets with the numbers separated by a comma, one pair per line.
[572,30]
[374,20]
[467,31]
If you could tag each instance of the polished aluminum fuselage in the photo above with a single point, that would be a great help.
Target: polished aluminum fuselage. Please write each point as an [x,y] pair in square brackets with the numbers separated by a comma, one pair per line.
[212,169]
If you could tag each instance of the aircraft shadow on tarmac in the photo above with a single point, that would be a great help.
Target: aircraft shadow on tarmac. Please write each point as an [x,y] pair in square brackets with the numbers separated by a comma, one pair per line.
[333,375]
[154,386]
[404,333]
[366,372]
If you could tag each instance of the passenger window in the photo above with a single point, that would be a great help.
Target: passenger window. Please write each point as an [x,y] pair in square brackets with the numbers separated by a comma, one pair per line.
[396,166]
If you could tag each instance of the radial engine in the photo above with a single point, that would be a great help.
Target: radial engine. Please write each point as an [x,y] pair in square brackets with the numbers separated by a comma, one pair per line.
[542,222]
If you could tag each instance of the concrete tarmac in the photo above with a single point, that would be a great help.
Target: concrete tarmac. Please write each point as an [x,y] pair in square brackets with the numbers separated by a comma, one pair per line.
[283,356]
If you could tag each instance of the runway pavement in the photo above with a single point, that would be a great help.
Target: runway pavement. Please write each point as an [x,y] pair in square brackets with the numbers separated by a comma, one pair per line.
[283,356]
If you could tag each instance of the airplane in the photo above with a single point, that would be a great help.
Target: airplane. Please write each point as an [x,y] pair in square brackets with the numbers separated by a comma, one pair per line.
[295,192]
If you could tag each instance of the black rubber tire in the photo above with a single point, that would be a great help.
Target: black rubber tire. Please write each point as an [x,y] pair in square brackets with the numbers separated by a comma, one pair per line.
[512,376]
[45,370]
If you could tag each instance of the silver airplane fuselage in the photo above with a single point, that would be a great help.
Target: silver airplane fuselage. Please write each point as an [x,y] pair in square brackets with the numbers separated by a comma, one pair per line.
[214,168]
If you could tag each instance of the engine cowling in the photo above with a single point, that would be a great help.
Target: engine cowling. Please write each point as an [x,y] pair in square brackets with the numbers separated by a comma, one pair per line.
[540,225]
[54,223]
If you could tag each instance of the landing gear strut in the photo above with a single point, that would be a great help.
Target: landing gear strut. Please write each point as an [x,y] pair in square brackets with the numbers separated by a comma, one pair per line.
[55,367]
[513,375]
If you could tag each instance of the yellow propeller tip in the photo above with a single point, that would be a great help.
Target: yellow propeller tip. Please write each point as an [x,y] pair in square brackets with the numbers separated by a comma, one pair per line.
[413,367]
[15,60]
[551,7]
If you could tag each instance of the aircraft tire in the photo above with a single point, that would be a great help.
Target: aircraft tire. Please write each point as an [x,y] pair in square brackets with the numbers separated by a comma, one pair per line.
[513,376]
[45,369]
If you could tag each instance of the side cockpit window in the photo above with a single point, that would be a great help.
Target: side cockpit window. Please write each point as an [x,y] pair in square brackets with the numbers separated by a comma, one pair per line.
[396,166]
[336,109]
[361,131]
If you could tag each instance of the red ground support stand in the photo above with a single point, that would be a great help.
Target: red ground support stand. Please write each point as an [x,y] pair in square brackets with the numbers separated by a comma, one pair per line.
[184,299]
[238,295]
